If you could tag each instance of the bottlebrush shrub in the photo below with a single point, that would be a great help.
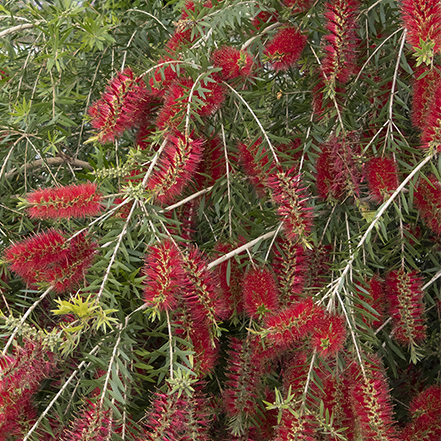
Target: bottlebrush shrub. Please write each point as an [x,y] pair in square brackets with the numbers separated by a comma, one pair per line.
[64,202]
[406,306]
[233,62]
[260,293]
[427,199]
[341,23]
[382,178]
[422,20]
[285,48]
[120,107]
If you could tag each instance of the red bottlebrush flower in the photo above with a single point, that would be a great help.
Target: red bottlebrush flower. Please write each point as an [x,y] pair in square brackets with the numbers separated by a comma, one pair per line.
[177,165]
[321,103]
[337,170]
[231,291]
[406,306]
[431,136]
[181,38]
[290,265]
[376,299]
[92,423]
[201,292]
[427,197]
[212,167]
[371,402]
[422,19]
[206,349]
[296,427]
[233,62]
[243,380]
[165,276]
[163,77]
[298,5]
[382,178]
[254,160]
[36,253]
[292,324]
[65,202]
[291,198]
[340,59]
[329,336]
[260,293]
[424,90]
[319,267]
[120,108]
[67,274]
[285,48]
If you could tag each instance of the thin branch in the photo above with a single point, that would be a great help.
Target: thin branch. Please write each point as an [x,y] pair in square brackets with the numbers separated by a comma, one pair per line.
[265,31]
[19,28]
[187,199]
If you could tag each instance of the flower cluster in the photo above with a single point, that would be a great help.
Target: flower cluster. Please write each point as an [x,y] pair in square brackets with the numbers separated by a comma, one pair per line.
[234,63]
[120,107]
[406,306]
[382,178]
[64,202]
[285,48]
[427,199]
[329,335]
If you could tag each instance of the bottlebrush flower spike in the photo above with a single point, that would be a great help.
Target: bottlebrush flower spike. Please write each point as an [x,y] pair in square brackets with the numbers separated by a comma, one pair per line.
[427,198]
[165,276]
[212,167]
[340,59]
[291,198]
[92,423]
[371,402]
[285,48]
[290,265]
[406,306]
[329,336]
[177,165]
[65,202]
[243,380]
[36,253]
[201,294]
[290,325]
[120,107]
[431,136]
[376,299]
[260,293]
[382,178]
[423,94]
[234,63]
[422,19]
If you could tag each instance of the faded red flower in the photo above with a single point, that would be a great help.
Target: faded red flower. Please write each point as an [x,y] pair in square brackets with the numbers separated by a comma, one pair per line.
[260,293]
[65,202]
[406,306]
[382,177]
[233,62]
[120,107]
[422,19]
[285,48]
[340,59]
[427,198]
[329,336]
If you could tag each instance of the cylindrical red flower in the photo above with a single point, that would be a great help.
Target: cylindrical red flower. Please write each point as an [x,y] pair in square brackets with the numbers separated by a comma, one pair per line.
[285,48]
[233,62]
[427,198]
[382,178]
[65,202]
[431,136]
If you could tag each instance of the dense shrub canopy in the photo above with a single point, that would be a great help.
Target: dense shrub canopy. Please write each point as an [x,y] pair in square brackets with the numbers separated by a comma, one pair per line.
[220,220]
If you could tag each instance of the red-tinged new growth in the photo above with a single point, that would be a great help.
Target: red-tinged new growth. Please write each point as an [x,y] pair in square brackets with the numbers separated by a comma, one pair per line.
[243,380]
[431,136]
[341,23]
[406,306]
[424,90]
[292,324]
[36,253]
[291,198]
[290,265]
[422,19]
[164,276]
[285,48]
[371,402]
[20,377]
[65,202]
[176,166]
[202,295]
[329,336]
[427,197]
[260,293]
[92,423]
[382,177]
[234,63]
[120,107]
[425,411]
[376,299]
